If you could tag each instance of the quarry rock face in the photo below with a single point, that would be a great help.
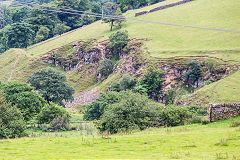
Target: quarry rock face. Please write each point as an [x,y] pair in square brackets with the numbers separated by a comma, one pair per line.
[223,110]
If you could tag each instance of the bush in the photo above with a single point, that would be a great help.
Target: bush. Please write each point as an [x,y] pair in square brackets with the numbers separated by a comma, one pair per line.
[126,82]
[95,110]
[105,68]
[173,115]
[115,86]
[133,111]
[153,83]
[60,123]
[118,41]
[198,110]
[23,96]
[11,120]
[51,111]
[193,75]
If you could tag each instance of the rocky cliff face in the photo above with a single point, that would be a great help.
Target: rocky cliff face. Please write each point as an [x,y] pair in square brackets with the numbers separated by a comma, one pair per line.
[86,55]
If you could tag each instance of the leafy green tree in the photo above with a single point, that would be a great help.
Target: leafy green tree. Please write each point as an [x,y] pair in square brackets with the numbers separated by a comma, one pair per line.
[173,115]
[126,82]
[24,98]
[113,10]
[3,40]
[51,111]
[42,34]
[105,68]
[19,35]
[118,41]
[133,111]
[38,19]
[153,82]
[61,28]
[194,74]
[74,21]
[131,4]
[51,85]
[11,120]
[95,109]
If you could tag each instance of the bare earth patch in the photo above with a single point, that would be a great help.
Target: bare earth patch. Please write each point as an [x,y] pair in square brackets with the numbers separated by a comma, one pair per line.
[84,98]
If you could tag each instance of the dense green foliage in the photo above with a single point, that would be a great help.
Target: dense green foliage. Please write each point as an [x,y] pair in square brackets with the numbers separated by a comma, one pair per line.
[51,85]
[192,76]
[118,41]
[19,35]
[133,4]
[126,82]
[51,111]
[60,123]
[95,109]
[11,120]
[133,111]
[151,83]
[24,98]
[136,111]
[105,68]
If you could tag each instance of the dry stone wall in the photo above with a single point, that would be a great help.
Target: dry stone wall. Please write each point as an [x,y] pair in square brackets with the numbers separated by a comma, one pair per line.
[162,7]
[223,110]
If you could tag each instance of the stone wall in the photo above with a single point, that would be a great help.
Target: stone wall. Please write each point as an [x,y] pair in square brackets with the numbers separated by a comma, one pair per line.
[162,7]
[223,110]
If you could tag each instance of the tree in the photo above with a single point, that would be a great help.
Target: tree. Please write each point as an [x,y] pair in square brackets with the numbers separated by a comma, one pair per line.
[118,41]
[112,10]
[61,28]
[51,111]
[51,85]
[19,35]
[153,82]
[74,21]
[24,98]
[11,121]
[133,111]
[193,74]
[95,109]
[42,34]
[105,68]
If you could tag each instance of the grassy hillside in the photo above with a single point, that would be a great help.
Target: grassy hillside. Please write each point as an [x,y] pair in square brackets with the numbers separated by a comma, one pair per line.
[165,41]
[225,90]
[212,141]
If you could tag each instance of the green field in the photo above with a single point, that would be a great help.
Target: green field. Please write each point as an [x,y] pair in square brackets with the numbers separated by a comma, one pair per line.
[212,141]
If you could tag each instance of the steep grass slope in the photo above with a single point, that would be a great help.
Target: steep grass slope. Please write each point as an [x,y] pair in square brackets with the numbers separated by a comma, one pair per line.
[212,141]
[164,41]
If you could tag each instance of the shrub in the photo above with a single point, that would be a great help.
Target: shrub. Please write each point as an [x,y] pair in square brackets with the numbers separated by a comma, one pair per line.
[173,115]
[105,68]
[23,96]
[118,41]
[198,110]
[193,75]
[115,86]
[153,83]
[51,111]
[60,123]
[133,111]
[139,87]
[95,110]
[11,120]
[127,82]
